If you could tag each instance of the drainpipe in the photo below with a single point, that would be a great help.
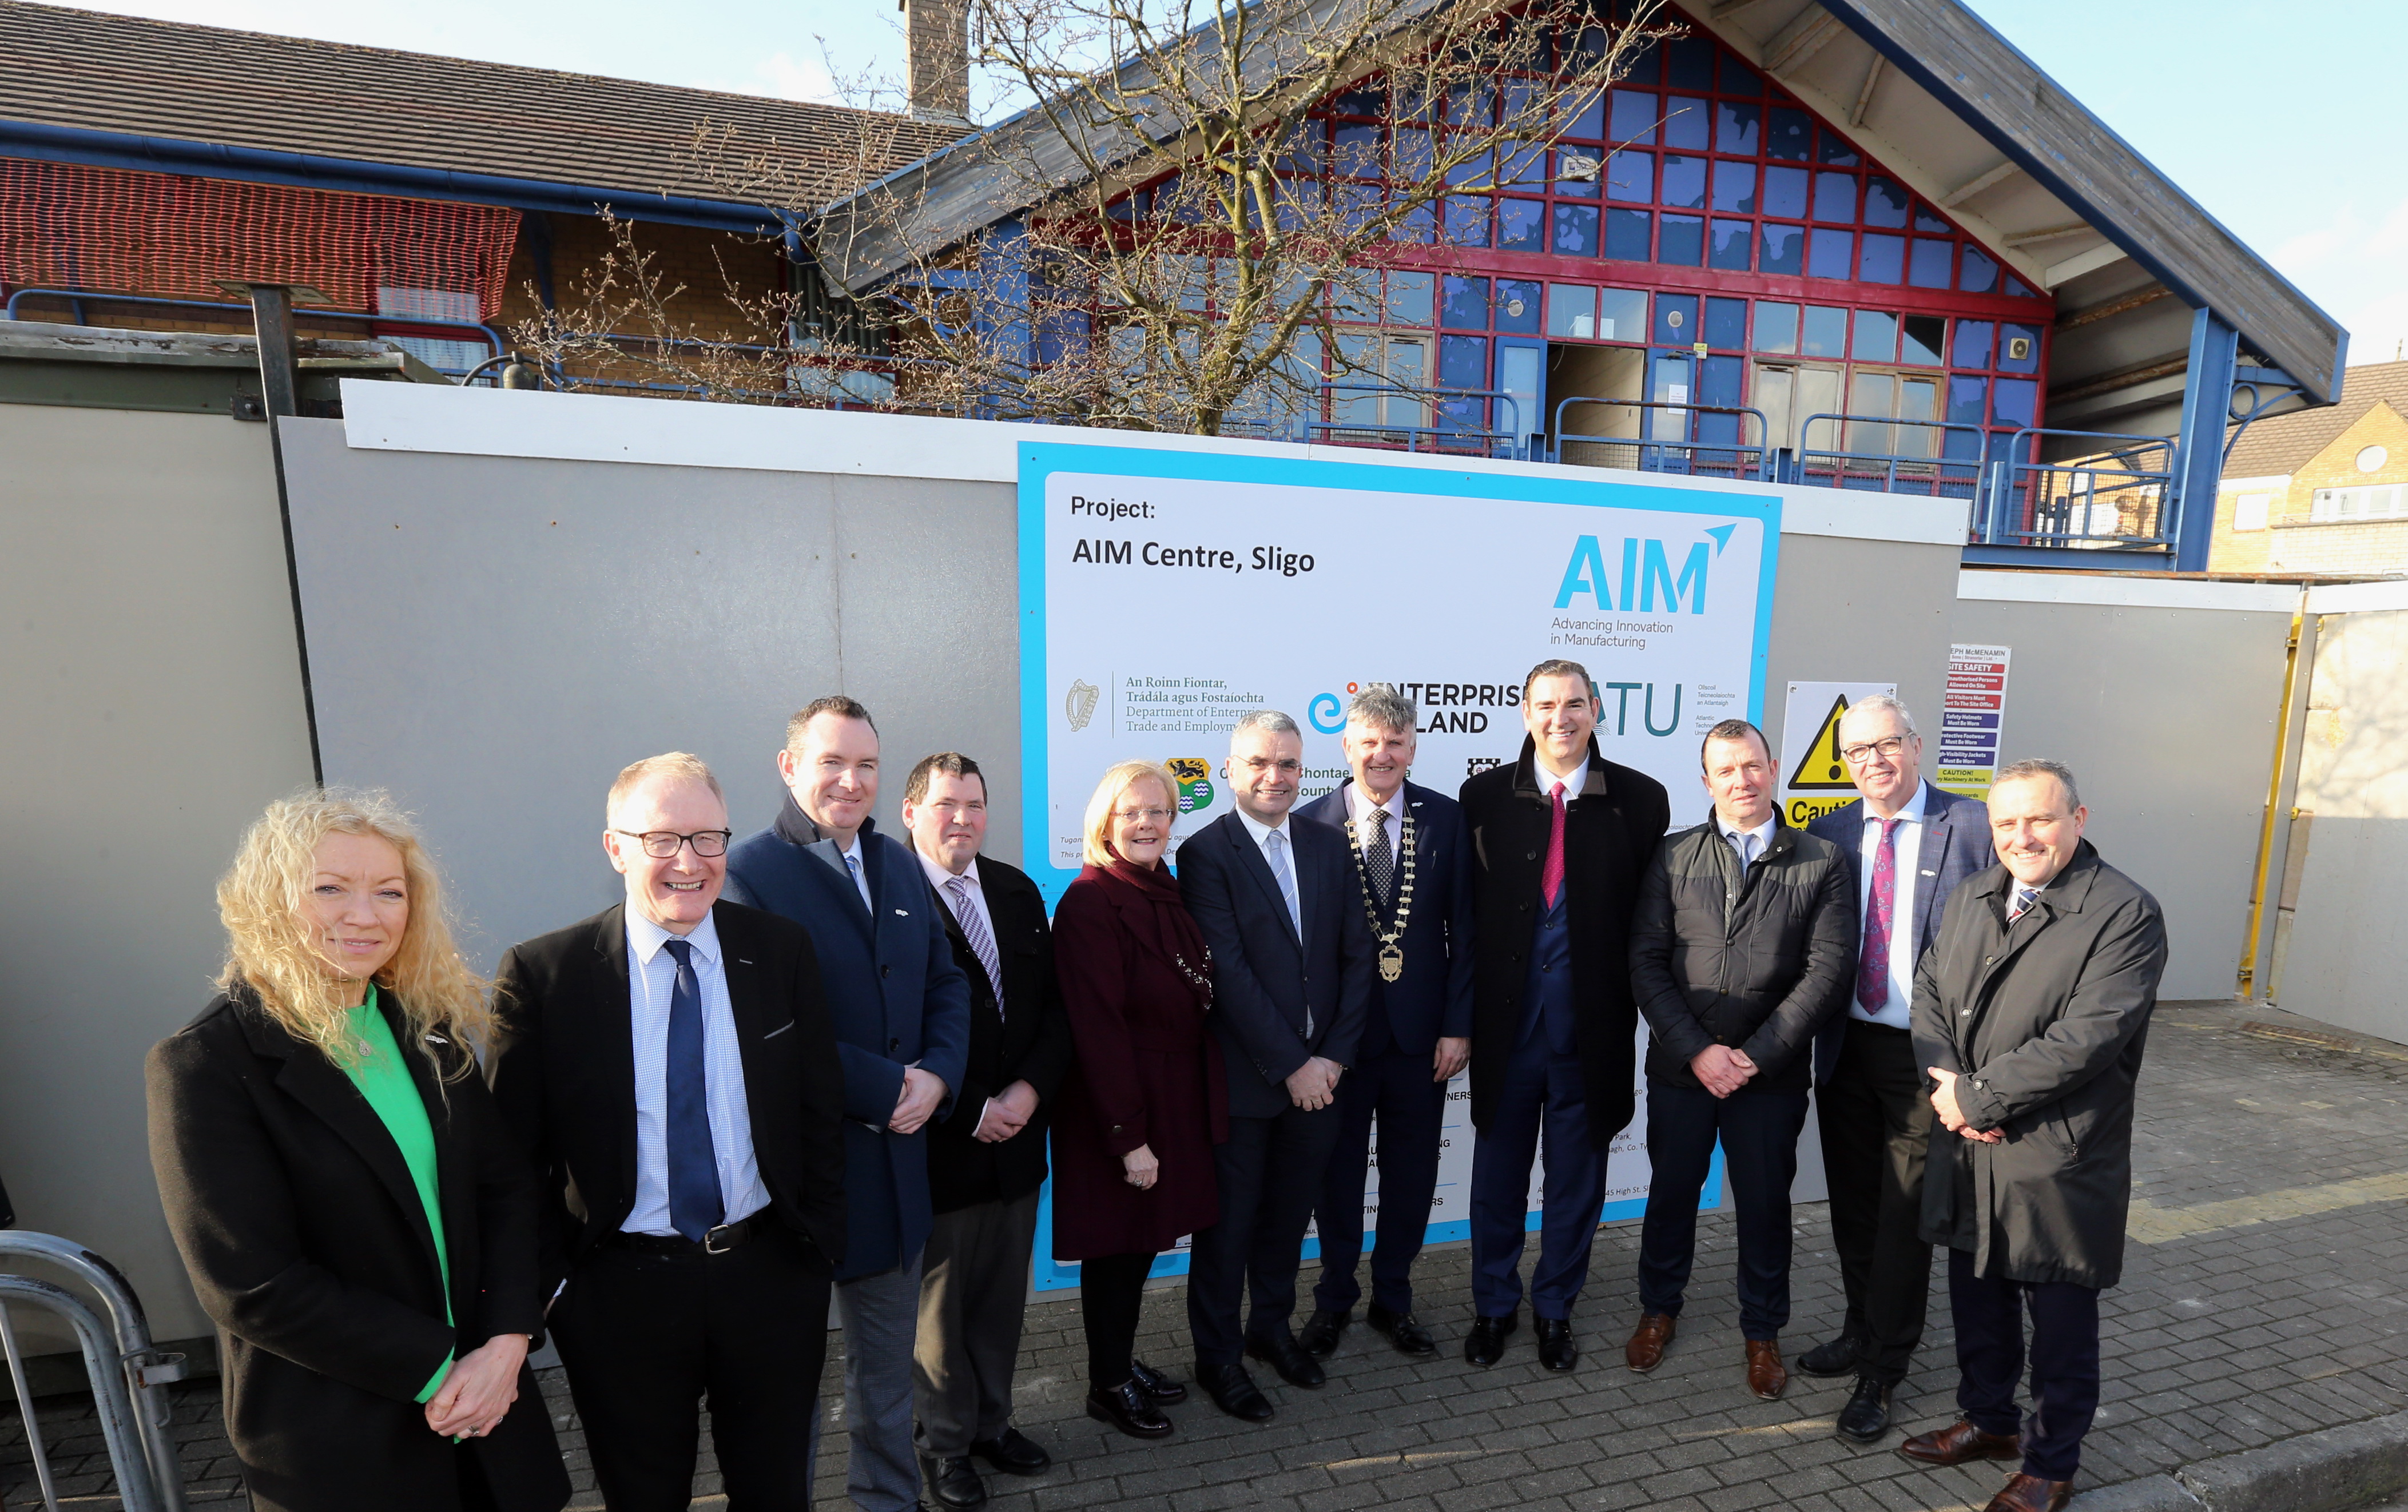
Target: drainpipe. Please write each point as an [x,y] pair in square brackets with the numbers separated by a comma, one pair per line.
[280,388]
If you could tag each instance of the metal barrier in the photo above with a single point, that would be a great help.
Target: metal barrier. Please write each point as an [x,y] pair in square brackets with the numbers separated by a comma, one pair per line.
[2113,497]
[1931,473]
[1457,436]
[1688,454]
[129,1375]
[77,299]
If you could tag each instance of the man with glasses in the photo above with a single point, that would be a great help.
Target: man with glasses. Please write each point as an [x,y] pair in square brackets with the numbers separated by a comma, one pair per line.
[1292,979]
[902,1007]
[691,1211]
[1908,845]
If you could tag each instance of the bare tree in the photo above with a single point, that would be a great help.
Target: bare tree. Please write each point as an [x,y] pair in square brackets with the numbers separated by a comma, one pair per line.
[1174,233]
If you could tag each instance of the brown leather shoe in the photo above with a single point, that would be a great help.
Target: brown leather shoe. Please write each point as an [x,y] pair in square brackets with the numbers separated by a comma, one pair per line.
[1645,1350]
[2029,1493]
[1961,1442]
[1767,1376]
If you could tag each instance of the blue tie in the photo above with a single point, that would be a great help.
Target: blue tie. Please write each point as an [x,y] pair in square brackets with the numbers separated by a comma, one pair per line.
[695,1204]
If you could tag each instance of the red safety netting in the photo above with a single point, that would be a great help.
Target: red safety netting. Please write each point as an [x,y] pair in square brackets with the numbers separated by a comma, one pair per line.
[115,231]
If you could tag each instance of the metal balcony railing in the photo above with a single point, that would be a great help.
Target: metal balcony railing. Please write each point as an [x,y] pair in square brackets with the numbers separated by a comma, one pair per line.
[1667,437]
[1891,456]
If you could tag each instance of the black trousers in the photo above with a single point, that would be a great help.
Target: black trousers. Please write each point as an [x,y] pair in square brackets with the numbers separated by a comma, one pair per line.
[1270,1172]
[1876,1126]
[1989,1315]
[1759,1138]
[648,1336]
[1411,1106]
[1112,1292]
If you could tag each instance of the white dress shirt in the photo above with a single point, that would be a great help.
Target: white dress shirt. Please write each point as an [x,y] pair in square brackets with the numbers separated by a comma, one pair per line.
[652,979]
[1359,808]
[1761,834]
[937,877]
[1572,780]
[857,862]
[1906,845]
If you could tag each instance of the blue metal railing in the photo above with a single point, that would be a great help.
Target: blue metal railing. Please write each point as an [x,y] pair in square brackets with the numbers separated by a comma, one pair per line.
[1461,433]
[2115,493]
[1929,471]
[1687,451]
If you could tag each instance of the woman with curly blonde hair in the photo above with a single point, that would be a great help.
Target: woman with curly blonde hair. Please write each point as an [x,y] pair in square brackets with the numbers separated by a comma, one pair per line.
[356,1219]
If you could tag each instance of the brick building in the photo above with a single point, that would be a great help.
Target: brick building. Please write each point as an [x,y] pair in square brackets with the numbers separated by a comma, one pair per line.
[436,201]
[2323,491]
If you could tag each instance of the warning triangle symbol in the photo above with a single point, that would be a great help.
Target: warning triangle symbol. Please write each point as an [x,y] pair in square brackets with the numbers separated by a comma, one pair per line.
[1820,770]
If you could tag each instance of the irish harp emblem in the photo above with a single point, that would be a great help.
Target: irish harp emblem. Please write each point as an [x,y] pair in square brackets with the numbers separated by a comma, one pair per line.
[1078,707]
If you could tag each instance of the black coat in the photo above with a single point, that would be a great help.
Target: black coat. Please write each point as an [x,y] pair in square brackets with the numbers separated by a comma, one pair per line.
[1758,962]
[2044,1020]
[1610,830]
[310,1249]
[1031,1044]
[1266,983]
[565,1076]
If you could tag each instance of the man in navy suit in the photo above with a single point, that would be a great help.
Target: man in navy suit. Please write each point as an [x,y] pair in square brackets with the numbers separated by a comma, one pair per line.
[901,1008]
[1292,976]
[1908,845]
[1413,877]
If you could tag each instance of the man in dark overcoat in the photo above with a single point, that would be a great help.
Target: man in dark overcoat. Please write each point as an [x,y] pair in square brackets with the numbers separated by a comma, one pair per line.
[1560,838]
[2030,1012]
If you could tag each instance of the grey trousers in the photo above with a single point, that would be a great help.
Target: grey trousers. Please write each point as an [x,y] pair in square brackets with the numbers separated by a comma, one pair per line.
[880,1314]
[973,1286]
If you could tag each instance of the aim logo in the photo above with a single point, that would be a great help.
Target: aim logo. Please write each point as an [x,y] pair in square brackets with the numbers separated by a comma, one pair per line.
[1646,570]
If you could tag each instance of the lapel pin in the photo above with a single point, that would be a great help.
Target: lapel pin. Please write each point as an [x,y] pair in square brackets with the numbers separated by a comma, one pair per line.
[436,1039]
[902,913]
[743,962]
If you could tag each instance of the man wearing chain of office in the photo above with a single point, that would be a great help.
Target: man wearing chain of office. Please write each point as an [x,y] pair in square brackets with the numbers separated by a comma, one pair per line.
[1413,871]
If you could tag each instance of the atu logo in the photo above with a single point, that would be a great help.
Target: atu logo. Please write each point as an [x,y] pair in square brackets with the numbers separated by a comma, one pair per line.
[1646,572]
[1079,706]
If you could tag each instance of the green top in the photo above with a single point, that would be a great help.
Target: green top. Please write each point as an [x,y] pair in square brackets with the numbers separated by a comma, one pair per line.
[385,1081]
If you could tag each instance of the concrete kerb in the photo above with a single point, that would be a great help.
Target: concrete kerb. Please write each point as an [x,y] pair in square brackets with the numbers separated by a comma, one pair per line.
[2321,1472]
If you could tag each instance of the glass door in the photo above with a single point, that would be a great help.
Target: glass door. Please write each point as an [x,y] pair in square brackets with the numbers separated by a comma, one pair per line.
[1521,374]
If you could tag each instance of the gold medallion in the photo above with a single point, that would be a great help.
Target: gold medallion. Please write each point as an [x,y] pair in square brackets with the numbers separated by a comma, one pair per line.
[1392,962]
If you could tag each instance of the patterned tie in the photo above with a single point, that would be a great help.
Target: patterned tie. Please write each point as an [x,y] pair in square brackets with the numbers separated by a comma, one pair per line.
[1872,966]
[1551,875]
[696,1203]
[1377,859]
[2025,898]
[974,930]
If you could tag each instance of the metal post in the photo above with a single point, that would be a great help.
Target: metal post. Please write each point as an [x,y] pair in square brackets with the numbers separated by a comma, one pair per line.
[26,1410]
[137,1486]
[2207,409]
[280,388]
[1002,304]
[148,1370]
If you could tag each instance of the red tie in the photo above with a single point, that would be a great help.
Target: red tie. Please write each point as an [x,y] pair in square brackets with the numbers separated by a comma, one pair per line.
[1551,877]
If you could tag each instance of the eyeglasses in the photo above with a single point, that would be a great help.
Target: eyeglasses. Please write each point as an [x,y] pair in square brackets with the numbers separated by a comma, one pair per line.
[661,844]
[1889,746]
[1142,816]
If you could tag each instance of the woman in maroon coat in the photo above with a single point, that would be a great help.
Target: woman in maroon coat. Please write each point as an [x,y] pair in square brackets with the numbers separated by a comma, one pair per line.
[1140,1113]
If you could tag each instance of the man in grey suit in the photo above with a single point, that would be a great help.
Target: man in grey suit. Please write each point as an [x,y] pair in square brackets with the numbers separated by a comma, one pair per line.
[1908,845]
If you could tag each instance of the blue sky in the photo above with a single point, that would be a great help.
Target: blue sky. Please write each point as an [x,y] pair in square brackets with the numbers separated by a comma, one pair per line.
[2274,117]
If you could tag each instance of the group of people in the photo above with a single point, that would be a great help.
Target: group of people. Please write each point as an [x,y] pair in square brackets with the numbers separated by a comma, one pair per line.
[821,1066]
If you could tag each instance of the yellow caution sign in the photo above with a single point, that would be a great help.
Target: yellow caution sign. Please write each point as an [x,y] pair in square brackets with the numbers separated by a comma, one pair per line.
[1819,768]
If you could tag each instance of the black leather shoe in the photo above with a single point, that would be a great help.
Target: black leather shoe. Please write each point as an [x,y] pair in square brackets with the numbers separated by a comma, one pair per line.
[1402,1330]
[1127,1407]
[1286,1356]
[1557,1350]
[1154,1383]
[1836,1358]
[1234,1391]
[1013,1453]
[1485,1344]
[1866,1417]
[952,1481]
[1320,1334]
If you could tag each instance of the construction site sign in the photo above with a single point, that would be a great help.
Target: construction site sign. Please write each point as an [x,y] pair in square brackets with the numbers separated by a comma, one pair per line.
[1814,780]
[1971,722]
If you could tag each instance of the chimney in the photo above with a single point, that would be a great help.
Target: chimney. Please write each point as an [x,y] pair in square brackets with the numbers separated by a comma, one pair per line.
[939,35]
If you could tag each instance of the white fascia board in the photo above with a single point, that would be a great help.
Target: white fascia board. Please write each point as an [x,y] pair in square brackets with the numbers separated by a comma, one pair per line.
[2358,598]
[2105,588]
[583,427]
[2272,481]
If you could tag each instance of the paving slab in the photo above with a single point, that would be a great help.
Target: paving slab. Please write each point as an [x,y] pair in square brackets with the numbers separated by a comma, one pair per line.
[2261,1302]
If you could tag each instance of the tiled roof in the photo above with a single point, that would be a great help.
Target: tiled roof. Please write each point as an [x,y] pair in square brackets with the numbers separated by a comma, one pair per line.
[119,74]
[2280,446]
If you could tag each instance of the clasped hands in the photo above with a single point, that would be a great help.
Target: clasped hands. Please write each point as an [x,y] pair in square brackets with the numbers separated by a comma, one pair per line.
[1313,1085]
[1943,1102]
[1722,1070]
[1005,1114]
[920,1093]
[479,1391]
